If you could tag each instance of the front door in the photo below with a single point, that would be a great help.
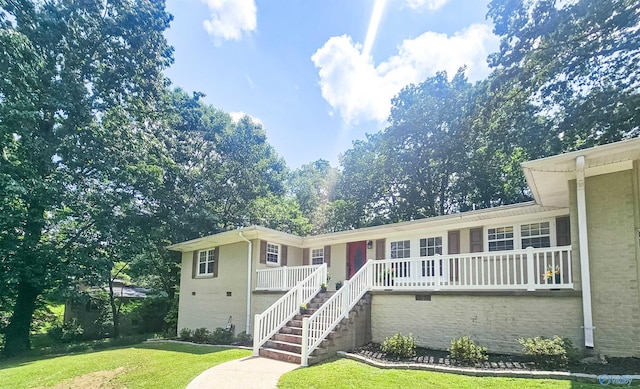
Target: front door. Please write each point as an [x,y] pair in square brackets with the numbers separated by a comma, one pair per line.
[356,257]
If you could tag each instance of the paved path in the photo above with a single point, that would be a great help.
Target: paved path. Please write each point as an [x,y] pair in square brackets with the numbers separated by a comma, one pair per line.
[250,372]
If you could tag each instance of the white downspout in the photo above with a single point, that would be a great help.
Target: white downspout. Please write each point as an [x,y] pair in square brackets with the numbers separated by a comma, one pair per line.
[584,252]
[249,273]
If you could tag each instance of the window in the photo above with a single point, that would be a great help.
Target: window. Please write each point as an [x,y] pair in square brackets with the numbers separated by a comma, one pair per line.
[500,238]
[535,235]
[273,254]
[206,258]
[317,256]
[430,246]
[400,249]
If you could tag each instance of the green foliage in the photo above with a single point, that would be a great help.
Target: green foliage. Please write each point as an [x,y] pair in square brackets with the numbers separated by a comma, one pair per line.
[221,336]
[201,335]
[400,346]
[549,353]
[66,332]
[465,351]
[171,318]
[244,339]
[185,334]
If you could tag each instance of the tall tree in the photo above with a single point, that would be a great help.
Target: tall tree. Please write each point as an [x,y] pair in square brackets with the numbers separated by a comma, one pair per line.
[65,65]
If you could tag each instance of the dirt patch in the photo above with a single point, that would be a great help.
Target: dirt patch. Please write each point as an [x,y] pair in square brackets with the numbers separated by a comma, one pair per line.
[96,380]
[501,362]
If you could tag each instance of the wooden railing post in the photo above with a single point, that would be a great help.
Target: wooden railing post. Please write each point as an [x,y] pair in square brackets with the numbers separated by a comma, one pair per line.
[256,335]
[531,272]
[284,277]
[304,360]
[436,269]
[345,298]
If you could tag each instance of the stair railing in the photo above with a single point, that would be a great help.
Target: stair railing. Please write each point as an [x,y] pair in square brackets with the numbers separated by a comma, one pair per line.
[268,323]
[316,327]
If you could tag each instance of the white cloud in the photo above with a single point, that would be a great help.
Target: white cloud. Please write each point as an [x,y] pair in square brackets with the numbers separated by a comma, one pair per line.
[431,5]
[236,116]
[229,19]
[360,90]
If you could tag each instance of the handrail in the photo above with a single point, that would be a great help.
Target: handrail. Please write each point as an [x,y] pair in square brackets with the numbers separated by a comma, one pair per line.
[282,278]
[316,327]
[279,313]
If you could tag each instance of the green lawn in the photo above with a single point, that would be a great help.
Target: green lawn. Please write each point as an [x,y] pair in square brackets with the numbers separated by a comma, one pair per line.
[344,373]
[152,365]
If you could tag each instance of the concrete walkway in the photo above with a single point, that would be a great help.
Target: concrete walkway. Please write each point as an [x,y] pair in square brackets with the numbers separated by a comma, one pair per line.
[250,372]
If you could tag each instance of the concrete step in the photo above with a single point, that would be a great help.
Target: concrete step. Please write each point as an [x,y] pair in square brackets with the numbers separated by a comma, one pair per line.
[289,338]
[291,330]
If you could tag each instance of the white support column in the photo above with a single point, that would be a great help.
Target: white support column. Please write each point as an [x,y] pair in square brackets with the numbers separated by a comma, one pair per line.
[283,269]
[584,252]
[304,357]
[531,270]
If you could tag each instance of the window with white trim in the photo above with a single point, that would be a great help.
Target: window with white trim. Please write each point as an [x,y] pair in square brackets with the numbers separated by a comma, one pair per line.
[428,248]
[400,249]
[535,235]
[317,256]
[500,238]
[273,254]
[206,259]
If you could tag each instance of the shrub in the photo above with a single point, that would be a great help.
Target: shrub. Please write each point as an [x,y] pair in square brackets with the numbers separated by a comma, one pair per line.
[400,346]
[185,334]
[66,332]
[549,353]
[244,339]
[466,352]
[201,335]
[222,336]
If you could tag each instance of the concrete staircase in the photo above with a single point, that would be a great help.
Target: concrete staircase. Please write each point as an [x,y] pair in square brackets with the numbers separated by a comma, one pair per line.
[352,332]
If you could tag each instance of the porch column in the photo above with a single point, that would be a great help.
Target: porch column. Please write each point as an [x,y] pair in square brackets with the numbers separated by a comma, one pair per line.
[584,253]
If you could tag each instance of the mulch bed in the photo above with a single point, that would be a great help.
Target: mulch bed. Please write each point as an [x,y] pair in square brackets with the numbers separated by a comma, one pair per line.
[614,366]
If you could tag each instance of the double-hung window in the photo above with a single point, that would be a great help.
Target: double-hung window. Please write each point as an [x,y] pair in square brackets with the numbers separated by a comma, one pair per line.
[500,238]
[428,248]
[317,256]
[535,235]
[206,260]
[399,250]
[273,254]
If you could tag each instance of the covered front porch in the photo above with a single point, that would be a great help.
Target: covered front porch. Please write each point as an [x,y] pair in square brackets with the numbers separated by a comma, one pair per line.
[527,269]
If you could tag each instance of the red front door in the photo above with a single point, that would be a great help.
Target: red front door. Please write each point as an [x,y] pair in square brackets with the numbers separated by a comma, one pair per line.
[356,257]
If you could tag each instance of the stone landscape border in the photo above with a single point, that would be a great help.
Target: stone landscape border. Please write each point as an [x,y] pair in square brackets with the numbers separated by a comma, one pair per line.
[537,374]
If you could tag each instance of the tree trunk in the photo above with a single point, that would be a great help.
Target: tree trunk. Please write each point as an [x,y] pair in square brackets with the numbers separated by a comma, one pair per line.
[17,332]
[114,312]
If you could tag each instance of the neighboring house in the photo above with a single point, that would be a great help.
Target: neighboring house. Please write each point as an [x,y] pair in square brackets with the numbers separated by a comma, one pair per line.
[88,309]
[565,264]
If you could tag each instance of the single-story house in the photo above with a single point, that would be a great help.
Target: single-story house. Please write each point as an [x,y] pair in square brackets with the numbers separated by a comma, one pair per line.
[567,264]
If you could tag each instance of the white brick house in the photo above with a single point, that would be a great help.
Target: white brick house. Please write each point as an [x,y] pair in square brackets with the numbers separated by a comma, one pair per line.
[565,264]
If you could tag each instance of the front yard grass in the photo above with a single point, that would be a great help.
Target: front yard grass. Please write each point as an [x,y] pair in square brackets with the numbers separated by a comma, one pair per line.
[344,373]
[145,365]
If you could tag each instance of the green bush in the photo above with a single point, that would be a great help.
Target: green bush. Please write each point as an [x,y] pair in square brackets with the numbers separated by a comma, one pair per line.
[465,351]
[221,336]
[549,353]
[66,332]
[185,334]
[400,346]
[244,339]
[201,335]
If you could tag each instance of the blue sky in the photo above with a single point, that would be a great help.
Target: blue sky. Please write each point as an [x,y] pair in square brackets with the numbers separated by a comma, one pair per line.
[320,74]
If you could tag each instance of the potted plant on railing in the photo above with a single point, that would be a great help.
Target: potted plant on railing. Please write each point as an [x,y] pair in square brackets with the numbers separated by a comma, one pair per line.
[552,275]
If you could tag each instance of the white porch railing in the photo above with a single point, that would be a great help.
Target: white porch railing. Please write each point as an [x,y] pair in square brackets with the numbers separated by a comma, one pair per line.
[316,327]
[282,278]
[528,269]
[279,313]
